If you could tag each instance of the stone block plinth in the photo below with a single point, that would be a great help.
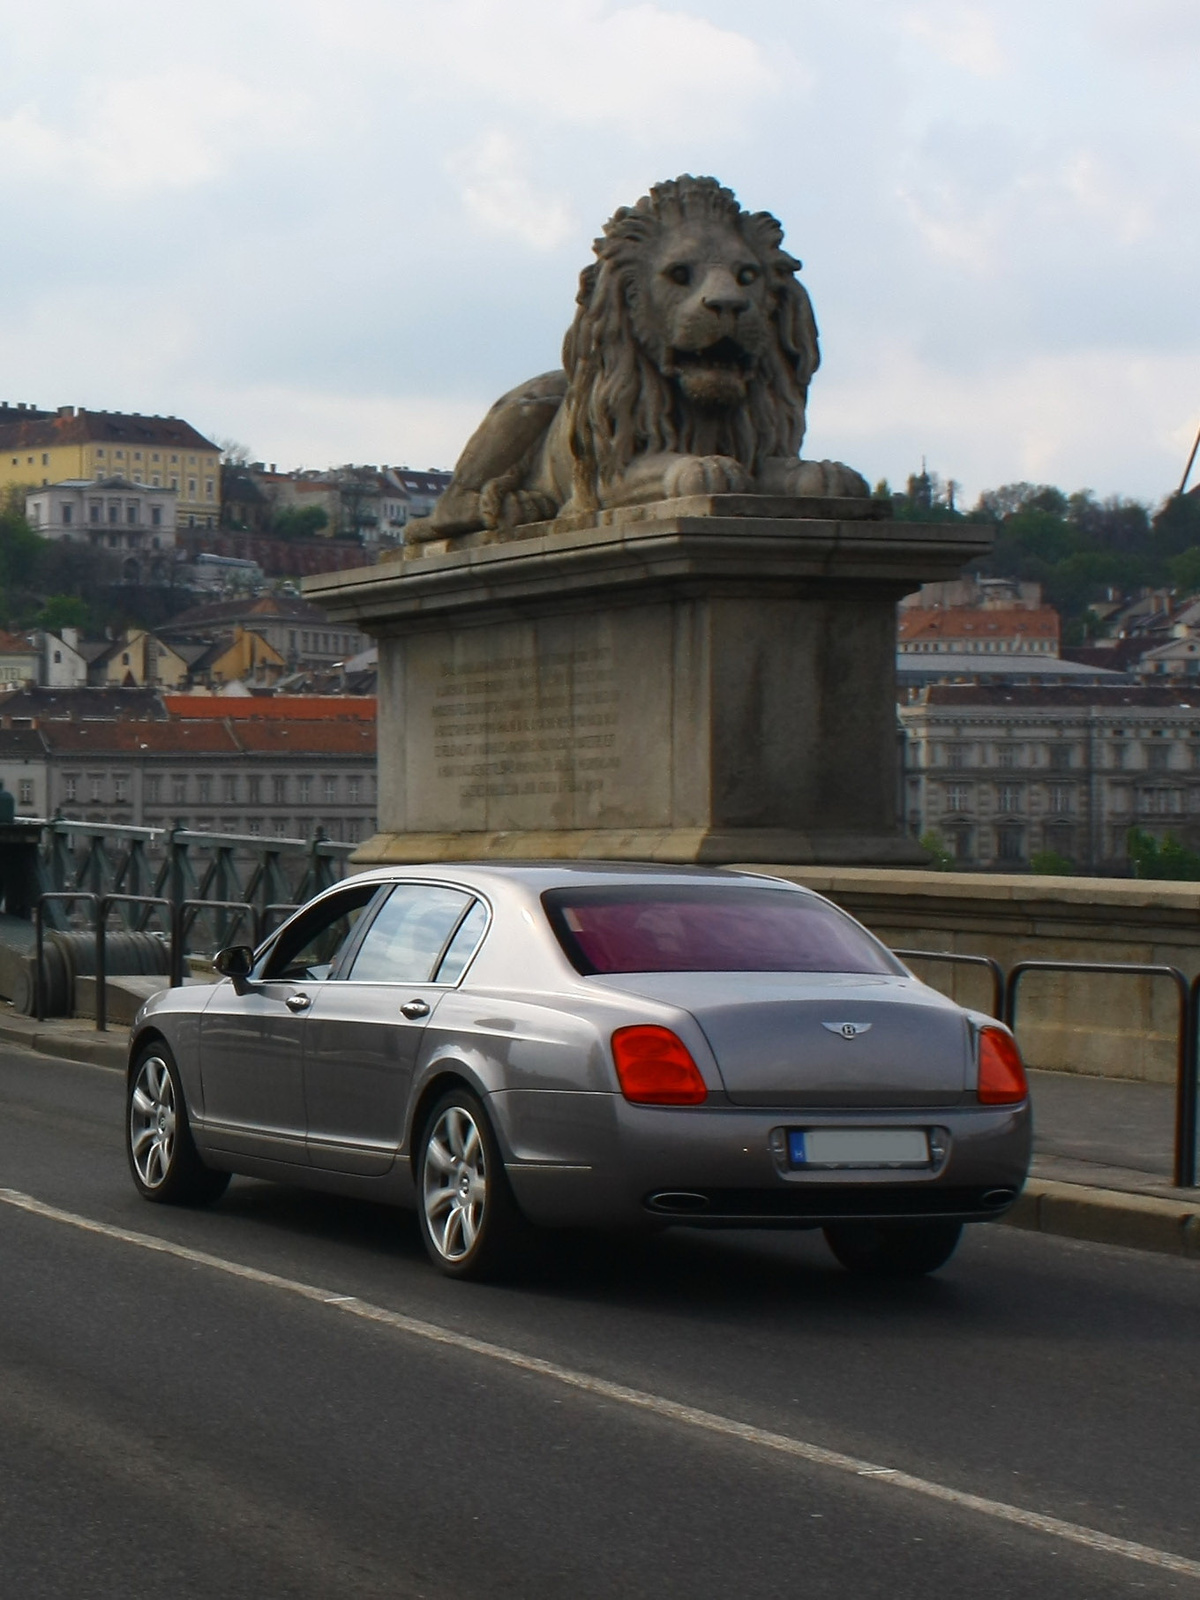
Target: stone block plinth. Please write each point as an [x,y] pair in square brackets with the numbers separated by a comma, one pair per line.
[701,680]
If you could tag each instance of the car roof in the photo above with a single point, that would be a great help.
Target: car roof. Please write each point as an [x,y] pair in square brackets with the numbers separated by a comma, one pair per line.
[537,876]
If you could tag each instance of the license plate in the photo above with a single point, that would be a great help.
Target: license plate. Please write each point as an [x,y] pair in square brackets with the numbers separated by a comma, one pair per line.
[858,1147]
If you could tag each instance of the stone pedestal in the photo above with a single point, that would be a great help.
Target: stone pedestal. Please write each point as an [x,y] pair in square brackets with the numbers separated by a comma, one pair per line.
[701,680]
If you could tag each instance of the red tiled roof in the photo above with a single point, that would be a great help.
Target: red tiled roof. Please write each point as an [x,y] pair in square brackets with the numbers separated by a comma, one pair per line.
[305,738]
[272,708]
[966,622]
[210,737]
[140,738]
[1062,694]
[91,427]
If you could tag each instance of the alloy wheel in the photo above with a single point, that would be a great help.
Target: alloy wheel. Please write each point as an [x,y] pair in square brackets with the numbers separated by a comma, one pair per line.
[455,1183]
[152,1122]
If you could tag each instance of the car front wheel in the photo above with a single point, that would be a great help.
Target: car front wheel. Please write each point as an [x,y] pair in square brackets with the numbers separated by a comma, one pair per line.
[893,1249]
[469,1219]
[158,1141]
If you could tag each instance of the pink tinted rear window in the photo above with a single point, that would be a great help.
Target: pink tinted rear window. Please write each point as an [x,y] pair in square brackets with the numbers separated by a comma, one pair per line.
[701,929]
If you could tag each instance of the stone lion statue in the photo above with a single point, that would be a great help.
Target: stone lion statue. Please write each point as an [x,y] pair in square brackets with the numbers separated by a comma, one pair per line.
[685,371]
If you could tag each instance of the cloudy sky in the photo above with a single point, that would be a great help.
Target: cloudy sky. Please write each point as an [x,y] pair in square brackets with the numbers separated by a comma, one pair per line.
[336,229]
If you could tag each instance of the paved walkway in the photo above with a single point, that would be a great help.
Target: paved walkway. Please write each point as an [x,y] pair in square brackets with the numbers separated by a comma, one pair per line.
[1104,1131]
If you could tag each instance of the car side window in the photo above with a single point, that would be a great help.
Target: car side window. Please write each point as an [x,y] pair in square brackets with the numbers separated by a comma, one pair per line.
[463,945]
[405,942]
[308,949]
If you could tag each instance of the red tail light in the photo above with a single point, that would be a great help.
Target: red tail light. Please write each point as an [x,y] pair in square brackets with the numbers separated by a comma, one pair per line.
[1001,1074]
[655,1068]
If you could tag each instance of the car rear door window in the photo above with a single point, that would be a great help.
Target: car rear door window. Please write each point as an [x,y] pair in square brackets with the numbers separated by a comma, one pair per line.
[406,941]
[463,945]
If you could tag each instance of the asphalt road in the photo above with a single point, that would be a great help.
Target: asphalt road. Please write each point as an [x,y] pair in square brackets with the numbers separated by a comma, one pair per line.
[174,1426]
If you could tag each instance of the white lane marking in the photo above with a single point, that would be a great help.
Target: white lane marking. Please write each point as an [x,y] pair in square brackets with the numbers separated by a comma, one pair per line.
[657,1405]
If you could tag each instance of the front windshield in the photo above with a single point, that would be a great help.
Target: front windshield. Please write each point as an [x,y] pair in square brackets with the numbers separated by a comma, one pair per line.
[702,928]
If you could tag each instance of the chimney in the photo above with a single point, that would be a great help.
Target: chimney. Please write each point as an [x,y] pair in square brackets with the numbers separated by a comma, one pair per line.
[66,411]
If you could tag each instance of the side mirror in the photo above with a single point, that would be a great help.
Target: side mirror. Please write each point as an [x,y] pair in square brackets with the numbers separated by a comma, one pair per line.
[236,961]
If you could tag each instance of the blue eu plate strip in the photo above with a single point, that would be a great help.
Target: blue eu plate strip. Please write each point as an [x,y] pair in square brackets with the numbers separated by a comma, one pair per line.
[796,1148]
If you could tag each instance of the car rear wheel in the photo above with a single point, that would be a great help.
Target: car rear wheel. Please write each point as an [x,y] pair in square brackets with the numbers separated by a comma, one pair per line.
[469,1219]
[893,1249]
[158,1140]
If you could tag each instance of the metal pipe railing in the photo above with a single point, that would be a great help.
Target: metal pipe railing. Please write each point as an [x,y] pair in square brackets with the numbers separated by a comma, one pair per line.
[1184,1175]
[104,905]
[999,981]
[181,923]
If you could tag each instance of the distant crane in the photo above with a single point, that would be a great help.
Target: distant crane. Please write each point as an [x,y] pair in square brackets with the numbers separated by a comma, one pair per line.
[1187,471]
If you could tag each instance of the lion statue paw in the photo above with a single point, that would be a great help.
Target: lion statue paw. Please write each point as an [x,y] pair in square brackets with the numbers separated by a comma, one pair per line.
[825,478]
[705,475]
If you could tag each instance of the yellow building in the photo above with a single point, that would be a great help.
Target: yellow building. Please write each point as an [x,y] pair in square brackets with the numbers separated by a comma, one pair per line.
[38,448]
[244,657]
[138,660]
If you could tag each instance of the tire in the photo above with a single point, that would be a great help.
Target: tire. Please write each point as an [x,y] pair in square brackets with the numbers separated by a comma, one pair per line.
[893,1249]
[158,1139]
[470,1223]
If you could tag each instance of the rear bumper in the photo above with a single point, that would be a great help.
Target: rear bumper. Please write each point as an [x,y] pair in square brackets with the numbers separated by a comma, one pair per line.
[596,1160]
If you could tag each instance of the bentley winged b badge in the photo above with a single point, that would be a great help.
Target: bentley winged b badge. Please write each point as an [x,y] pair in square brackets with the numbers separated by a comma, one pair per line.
[848,1030]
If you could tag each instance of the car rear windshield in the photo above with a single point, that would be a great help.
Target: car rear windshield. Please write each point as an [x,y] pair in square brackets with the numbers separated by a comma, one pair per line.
[703,929]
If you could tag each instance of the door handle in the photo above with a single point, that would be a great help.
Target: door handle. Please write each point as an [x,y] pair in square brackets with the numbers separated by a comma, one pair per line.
[412,1009]
[297,1002]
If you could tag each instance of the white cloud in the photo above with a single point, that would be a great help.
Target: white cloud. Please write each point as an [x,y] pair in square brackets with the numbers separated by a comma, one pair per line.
[1116,420]
[314,427]
[137,136]
[643,69]
[963,36]
[497,191]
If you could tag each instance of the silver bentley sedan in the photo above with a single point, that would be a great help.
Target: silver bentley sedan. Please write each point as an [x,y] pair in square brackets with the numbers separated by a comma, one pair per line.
[507,1047]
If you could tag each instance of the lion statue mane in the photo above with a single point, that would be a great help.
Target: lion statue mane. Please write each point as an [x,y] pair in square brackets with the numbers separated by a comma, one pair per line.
[685,371]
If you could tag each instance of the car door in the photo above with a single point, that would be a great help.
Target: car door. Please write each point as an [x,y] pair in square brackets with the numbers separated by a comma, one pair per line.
[252,1031]
[365,1028]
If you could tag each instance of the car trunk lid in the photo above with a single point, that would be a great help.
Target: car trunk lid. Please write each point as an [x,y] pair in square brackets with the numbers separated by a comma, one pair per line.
[821,1039]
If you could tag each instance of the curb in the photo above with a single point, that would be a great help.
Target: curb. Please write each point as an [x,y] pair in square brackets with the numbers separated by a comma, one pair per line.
[109,1050]
[1108,1216]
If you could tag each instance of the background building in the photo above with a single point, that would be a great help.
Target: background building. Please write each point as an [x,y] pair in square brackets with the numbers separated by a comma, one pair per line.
[38,449]
[979,630]
[297,632]
[132,521]
[1002,773]
[279,768]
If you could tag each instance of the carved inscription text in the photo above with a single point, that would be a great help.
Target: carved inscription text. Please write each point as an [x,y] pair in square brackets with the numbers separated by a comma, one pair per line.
[528,725]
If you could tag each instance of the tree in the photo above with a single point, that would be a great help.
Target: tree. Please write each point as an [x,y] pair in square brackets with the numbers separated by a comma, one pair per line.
[941,858]
[233,454]
[1168,859]
[1051,863]
[927,498]
[299,522]
[1176,527]
[64,611]
[71,568]
[20,546]
[1113,524]
[1010,499]
[1185,569]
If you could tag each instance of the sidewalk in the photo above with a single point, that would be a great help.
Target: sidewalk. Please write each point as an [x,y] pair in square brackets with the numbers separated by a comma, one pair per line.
[1103,1153]
[1102,1147]
[68,1038]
